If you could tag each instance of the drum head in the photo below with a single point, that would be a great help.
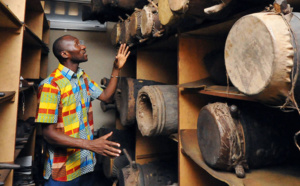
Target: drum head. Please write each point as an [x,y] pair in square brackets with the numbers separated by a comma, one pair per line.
[147,21]
[209,137]
[249,55]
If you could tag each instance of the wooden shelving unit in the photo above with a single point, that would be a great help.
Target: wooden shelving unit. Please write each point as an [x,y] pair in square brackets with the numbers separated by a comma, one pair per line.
[180,61]
[21,30]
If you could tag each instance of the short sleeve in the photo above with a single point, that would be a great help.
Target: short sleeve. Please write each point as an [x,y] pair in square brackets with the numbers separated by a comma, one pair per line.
[47,110]
[94,88]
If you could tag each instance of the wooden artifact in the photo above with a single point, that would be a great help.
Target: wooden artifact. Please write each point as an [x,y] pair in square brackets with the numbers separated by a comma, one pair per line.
[238,138]
[157,173]
[116,34]
[135,25]
[261,57]
[125,97]
[157,110]
[166,15]
[150,24]
[196,7]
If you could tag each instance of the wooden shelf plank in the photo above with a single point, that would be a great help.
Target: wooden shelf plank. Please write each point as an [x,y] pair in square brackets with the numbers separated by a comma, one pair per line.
[34,5]
[279,175]
[221,27]
[9,95]
[3,174]
[205,86]
[7,18]
[31,39]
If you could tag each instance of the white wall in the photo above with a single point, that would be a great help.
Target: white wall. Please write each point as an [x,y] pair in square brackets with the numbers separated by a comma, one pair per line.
[101,55]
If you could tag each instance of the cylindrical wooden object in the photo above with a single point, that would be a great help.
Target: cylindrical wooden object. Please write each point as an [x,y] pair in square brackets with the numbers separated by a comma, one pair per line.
[157,173]
[125,97]
[260,57]
[123,32]
[166,16]
[241,137]
[116,34]
[150,24]
[157,110]
[135,25]
[193,7]
[128,39]
[112,166]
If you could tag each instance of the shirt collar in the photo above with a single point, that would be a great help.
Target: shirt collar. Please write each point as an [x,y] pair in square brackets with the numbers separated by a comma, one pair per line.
[69,73]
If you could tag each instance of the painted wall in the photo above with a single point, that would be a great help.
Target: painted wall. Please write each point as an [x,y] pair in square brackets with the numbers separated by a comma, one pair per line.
[101,55]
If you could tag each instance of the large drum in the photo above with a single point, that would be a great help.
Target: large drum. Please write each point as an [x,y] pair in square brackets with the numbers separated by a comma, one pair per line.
[247,136]
[261,56]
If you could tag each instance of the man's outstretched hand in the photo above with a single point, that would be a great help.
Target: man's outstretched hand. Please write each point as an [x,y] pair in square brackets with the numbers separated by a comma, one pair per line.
[104,147]
[122,56]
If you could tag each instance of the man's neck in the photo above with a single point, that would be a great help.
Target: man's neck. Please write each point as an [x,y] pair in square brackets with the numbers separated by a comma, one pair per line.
[72,66]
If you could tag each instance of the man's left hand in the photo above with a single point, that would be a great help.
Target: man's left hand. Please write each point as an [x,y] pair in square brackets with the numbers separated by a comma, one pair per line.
[122,56]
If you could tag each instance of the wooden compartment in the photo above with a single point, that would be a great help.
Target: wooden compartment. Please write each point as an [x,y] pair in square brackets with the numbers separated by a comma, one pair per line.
[14,52]
[158,63]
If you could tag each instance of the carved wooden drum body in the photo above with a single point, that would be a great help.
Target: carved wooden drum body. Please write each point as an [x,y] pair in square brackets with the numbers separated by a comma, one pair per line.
[261,56]
[238,137]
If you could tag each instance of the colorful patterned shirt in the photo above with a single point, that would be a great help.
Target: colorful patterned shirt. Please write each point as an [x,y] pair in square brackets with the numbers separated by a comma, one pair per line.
[65,100]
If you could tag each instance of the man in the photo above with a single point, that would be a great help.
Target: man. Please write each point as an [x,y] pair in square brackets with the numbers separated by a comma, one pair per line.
[65,113]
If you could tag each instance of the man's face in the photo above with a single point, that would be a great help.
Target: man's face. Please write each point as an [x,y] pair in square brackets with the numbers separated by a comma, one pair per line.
[77,52]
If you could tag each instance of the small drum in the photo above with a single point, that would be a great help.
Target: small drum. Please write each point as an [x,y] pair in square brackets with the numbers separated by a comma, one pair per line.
[135,25]
[166,16]
[261,56]
[150,25]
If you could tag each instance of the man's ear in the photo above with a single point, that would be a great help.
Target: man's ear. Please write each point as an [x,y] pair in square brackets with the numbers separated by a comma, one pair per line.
[64,54]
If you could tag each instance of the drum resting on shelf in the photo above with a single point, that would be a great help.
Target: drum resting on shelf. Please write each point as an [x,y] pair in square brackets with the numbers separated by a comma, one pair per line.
[238,138]
[261,56]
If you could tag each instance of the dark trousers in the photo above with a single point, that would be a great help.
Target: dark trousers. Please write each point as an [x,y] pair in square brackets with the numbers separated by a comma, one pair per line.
[84,180]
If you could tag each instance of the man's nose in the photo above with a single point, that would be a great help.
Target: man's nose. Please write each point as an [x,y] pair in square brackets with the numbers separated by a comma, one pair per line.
[83,47]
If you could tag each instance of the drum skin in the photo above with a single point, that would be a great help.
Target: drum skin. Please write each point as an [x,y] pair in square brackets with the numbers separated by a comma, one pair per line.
[259,57]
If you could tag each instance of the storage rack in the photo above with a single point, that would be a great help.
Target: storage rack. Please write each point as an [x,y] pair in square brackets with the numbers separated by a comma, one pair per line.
[179,60]
[24,35]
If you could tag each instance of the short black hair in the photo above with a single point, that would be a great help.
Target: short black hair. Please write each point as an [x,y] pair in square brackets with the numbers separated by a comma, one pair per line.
[57,47]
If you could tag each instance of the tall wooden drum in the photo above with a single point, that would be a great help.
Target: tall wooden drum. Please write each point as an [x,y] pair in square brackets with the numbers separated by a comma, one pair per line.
[261,56]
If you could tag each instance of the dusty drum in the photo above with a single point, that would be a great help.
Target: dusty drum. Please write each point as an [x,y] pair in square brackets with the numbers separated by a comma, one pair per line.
[238,138]
[157,110]
[261,56]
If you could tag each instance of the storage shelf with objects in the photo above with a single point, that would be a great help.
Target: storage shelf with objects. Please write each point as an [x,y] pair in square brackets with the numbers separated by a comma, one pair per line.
[21,27]
[196,91]
[193,59]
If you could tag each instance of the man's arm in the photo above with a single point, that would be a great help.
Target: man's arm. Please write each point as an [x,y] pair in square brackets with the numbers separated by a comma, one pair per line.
[119,62]
[100,145]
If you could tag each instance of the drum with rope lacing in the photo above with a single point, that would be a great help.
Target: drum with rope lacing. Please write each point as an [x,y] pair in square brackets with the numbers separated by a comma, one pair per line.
[261,57]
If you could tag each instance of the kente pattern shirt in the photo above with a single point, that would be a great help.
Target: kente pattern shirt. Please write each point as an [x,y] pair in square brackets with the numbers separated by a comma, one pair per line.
[64,100]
